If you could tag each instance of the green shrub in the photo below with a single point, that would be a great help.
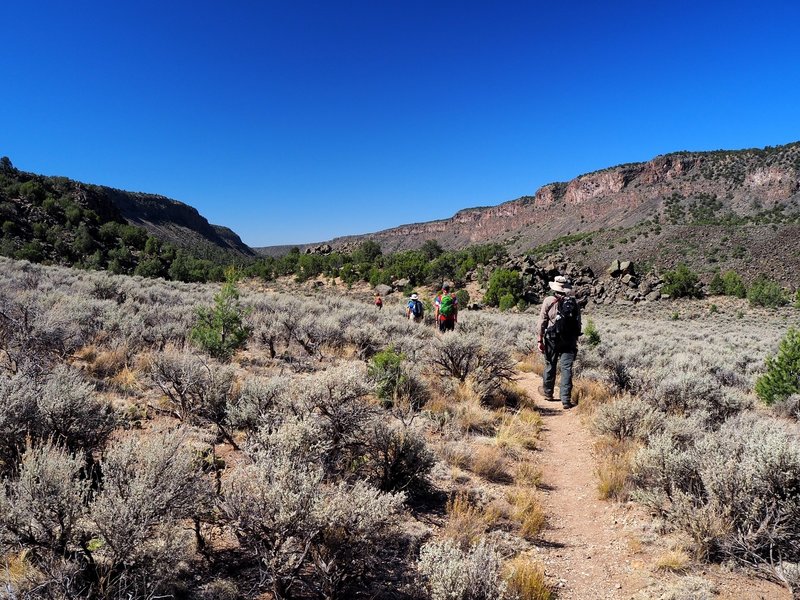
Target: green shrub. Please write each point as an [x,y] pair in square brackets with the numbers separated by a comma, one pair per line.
[463,298]
[733,285]
[717,285]
[220,330]
[501,283]
[507,301]
[590,333]
[765,292]
[386,370]
[682,283]
[782,378]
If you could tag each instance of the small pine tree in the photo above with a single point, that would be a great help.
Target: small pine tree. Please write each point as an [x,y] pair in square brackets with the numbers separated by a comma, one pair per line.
[220,330]
[591,335]
[782,378]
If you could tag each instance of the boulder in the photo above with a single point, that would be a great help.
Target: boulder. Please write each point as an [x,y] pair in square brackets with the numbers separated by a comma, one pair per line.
[626,266]
[653,296]
[614,269]
[383,289]
[400,284]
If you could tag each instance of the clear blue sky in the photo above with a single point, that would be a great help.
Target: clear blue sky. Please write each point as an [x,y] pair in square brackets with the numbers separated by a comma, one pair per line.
[298,121]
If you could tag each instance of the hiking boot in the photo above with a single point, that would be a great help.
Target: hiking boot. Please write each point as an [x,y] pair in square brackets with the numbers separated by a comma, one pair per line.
[548,397]
[567,405]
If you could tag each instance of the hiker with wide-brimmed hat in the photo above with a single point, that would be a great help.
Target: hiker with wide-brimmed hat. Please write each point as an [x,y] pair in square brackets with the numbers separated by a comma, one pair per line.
[559,330]
[415,310]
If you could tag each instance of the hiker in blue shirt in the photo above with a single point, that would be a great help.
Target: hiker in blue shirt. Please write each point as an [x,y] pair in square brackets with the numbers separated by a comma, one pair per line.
[415,311]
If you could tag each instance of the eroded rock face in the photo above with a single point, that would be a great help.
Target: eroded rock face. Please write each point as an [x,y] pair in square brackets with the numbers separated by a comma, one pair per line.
[742,182]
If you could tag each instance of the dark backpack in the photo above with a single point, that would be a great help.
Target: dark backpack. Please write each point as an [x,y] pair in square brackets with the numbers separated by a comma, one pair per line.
[447,306]
[417,309]
[566,329]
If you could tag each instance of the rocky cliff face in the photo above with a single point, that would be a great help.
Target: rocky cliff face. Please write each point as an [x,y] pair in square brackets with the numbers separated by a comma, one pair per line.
[734,188]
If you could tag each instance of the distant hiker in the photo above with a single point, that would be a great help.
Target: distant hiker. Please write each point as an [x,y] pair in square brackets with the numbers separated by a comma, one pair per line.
[378,301]
[559,330]
[446,309]
[415,311]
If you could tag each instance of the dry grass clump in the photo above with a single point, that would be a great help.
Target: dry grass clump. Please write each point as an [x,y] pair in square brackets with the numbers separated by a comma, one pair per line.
[689,588]
[589,394]
[108,363]
[526,580]
[675,561]
[456,454]
[466,521]
[516,397]
[527,474]
[614,468]
[527,511]
[472,417]
[127,380]
[531,364]
[490,463]
[519,431]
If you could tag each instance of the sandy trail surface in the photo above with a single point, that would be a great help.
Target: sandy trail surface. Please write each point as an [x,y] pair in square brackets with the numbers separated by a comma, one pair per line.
[598,549]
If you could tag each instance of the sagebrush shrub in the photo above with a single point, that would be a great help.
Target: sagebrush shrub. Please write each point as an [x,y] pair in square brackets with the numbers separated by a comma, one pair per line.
[268,504]
[627,418]
[736,491]
[397,458]
[70,412]
[151,485]
[292,520]
[196,390]
[450,573]
[42,506]
[465,356]
[259,400]
[59,406]
[353,522]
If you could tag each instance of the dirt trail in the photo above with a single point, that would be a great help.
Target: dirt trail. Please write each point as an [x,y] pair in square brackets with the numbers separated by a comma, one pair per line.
[592,547]
[586,547]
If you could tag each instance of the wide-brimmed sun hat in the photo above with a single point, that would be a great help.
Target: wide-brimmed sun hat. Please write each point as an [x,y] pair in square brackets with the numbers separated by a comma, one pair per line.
[561,284]
[414,296]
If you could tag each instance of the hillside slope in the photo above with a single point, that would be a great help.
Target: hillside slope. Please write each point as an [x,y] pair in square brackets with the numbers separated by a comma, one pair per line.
[52,213]
[722,209]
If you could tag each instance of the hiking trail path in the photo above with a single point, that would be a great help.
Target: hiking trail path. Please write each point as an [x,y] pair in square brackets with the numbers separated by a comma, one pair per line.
[602,549]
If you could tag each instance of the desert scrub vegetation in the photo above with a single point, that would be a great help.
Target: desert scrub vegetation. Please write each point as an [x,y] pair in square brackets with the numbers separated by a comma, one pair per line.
[682,437]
